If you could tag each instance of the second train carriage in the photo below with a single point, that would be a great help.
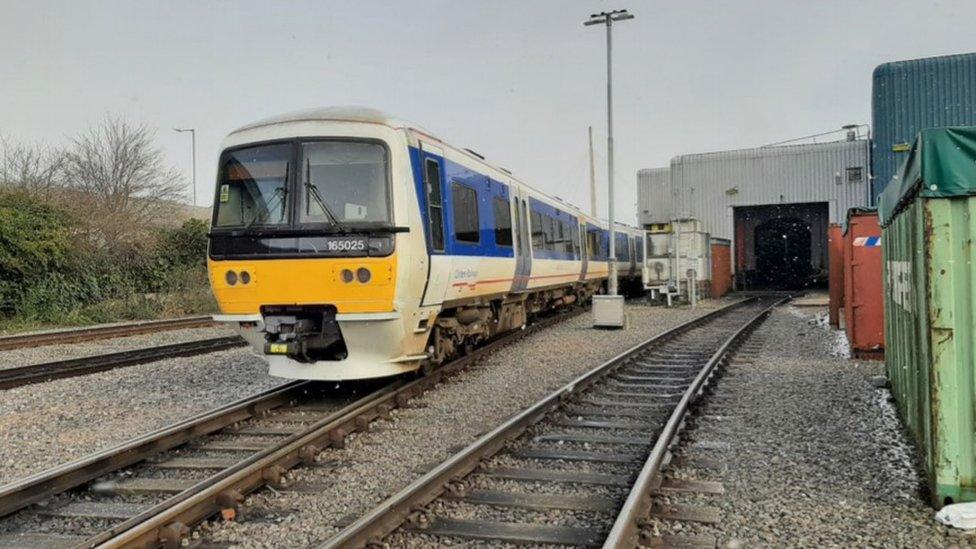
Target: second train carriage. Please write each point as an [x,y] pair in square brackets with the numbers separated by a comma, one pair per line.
[346,244]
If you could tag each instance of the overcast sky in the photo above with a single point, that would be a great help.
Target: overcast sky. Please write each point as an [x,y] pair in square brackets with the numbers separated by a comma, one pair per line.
[518,81]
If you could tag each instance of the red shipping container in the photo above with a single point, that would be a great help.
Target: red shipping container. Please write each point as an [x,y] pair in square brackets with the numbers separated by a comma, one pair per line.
[835,247]
[863,288]
[721,267]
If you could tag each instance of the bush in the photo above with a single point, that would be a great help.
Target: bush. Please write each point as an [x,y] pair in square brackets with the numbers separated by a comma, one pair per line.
[35,242]
[186,246]
[50,275]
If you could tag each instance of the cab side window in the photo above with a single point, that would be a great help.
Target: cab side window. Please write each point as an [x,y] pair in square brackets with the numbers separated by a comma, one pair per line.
[435,205]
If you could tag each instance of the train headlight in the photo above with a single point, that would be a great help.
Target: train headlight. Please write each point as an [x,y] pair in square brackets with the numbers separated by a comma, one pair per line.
[346,275]
[363,275]
[245,277]
[231,278]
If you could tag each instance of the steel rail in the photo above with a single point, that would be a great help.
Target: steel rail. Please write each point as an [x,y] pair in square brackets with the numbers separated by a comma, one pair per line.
[394,511]
[76,335]
[170,520]
[37,373]
[626,529]
[24,492]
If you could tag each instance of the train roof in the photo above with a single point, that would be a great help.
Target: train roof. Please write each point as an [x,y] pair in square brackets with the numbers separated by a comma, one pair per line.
[335,114]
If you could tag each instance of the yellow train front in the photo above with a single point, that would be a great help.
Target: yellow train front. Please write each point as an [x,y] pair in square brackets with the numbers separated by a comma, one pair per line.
[346,244]
[308,245]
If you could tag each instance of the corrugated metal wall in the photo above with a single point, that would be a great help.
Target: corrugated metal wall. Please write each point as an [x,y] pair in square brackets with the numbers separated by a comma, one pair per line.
[708,186]
[909,96]
[653,196]
[930,337]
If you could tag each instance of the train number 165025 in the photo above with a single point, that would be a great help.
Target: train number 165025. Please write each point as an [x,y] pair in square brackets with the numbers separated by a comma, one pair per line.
[346,245]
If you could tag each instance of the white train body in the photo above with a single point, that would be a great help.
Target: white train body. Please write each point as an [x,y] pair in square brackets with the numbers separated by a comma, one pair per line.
[346,244]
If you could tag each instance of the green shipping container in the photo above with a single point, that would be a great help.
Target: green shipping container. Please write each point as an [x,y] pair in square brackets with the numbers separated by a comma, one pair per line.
[928,217]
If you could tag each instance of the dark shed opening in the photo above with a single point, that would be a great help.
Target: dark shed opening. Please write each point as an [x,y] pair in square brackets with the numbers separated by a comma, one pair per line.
[781,246]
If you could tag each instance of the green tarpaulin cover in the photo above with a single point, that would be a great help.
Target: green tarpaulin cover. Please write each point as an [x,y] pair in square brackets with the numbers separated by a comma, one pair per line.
[940,164]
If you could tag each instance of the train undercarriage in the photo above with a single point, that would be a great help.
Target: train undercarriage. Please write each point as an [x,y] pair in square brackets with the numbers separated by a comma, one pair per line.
[461,328]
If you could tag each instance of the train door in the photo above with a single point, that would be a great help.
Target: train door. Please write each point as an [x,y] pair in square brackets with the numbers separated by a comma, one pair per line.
[523,257]
[583,253]
[433,189]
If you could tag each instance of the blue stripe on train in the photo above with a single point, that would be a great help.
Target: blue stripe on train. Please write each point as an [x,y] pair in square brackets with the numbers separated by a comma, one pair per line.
[485,187]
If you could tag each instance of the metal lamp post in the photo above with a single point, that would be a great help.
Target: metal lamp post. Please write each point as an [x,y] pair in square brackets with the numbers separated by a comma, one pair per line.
[608,310]
[193,145]
[607,18]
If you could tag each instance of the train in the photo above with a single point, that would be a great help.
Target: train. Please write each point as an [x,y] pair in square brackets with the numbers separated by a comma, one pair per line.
[347,244]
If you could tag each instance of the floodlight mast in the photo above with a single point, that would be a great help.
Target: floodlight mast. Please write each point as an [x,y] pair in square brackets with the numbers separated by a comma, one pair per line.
[193,153]
[607,18]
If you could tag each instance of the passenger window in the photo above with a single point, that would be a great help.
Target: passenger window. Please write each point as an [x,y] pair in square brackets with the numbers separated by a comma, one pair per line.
[567,237]
[434,205]
[503,222]
[550,232]
[464,200]
[593,244]
[576,240]
[538,237]
[623,254]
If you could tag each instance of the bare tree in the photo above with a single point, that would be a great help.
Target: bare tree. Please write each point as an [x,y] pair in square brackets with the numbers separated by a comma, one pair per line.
[119,182]
[39,169]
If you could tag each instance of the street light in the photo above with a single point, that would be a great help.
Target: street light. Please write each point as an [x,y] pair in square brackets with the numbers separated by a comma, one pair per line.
[607,18]
[193,145]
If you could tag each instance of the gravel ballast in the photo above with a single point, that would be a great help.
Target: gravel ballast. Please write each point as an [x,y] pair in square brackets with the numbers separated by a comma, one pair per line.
[27,356]
[377,464]
[51,423]
[809,450]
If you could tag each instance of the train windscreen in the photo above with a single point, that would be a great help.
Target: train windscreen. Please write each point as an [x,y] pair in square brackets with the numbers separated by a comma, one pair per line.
[253,188]
[344,183]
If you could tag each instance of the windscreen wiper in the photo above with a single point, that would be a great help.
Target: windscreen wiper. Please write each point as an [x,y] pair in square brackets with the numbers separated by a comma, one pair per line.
[313,191]
[280,193]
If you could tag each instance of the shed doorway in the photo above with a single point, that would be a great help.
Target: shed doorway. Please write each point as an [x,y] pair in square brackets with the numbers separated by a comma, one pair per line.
[781,246]
[783,253]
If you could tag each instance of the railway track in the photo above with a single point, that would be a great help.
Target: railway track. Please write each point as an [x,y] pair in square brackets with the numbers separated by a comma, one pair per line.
[578,467]
[37,373]
[76,335]
[148,492]
[701,451]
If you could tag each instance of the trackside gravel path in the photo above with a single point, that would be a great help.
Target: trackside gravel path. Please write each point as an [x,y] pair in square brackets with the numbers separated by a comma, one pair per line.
[809,451]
